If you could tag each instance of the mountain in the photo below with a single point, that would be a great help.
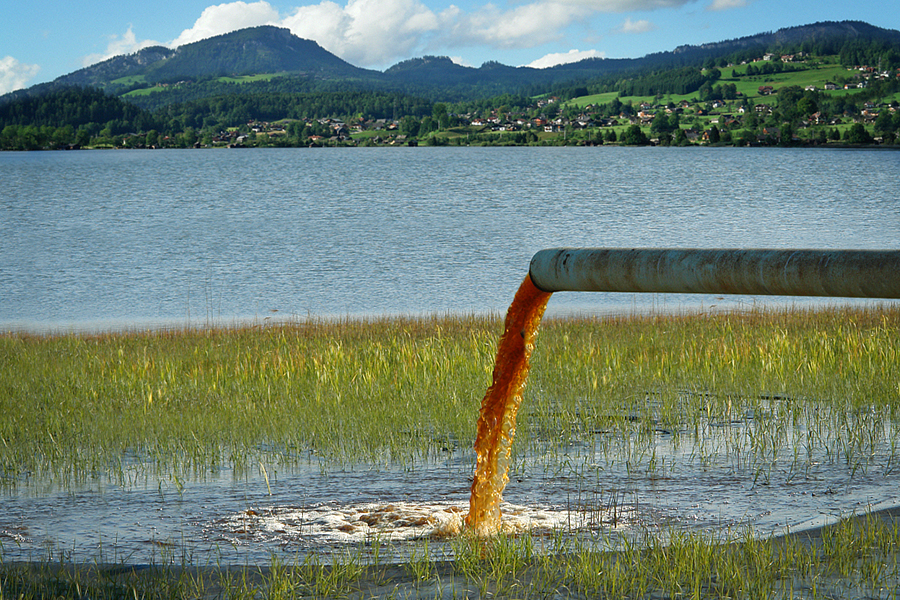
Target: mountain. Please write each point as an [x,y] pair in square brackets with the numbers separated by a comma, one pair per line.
[302,66]
[249,51]
[116,67]
[826,32]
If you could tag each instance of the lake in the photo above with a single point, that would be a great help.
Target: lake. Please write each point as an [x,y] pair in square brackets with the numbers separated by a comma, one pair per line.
[107,240]
[110,240]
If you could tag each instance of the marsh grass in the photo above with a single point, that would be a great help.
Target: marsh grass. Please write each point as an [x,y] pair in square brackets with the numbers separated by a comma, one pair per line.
[763,387]
[189,402]
[755,390]
[789,384]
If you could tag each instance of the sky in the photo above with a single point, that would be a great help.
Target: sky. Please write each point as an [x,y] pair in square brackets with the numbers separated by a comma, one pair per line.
[44,39]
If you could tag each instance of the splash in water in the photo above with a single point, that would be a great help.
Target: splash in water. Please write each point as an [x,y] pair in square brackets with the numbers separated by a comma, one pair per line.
[497,421]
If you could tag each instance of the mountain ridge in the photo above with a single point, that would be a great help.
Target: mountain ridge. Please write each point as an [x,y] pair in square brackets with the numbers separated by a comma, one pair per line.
[274,50]
[264,49]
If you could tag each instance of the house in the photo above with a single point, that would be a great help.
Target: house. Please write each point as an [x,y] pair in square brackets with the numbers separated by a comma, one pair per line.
[765,90]
[770,132]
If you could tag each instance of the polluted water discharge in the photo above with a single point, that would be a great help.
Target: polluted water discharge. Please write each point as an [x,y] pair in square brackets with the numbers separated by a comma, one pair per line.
[402,521]
[497,421]
[487,514]
[221,521]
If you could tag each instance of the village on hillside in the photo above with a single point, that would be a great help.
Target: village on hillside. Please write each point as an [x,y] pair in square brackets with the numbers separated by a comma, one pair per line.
[553,120]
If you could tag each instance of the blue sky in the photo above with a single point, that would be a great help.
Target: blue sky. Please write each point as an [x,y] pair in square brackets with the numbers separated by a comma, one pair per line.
[43,39]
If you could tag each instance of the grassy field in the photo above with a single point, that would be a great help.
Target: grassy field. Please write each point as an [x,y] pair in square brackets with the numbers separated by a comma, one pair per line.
[76,404]
[249,78]
[403,389]
[748,87]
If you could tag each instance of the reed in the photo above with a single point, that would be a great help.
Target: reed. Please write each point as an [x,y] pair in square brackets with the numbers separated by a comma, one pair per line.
[190,401]
[791,388]
[792,385]
[801,383]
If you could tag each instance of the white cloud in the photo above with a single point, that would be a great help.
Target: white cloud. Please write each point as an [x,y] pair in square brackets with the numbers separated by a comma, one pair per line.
[224,18]
[367,32]
[376,33]
[618,6]
[459,60]
[519,27]
[726,4]
[639,26]
[563,58]
[14,75]
[127,43]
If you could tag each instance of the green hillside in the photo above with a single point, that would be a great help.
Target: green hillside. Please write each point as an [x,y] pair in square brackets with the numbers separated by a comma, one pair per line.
[816,72]
[264,87]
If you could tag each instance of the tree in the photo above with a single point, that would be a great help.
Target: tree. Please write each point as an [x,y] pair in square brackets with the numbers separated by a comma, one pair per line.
[633,136]
[884,124]
[660,124]
[409,125]
[747,137]
[440,115]
[82,137]
[190,137]
[807,106]
[857,134]
[426,126]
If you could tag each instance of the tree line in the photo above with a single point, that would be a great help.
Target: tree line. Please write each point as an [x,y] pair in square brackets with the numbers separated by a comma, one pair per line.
[82,116]
[78,116]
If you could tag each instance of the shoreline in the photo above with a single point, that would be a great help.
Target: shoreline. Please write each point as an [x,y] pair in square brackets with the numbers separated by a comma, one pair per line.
[114,327]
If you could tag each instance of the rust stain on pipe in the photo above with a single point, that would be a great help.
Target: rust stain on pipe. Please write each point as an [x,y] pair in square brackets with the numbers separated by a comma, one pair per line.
[838,273]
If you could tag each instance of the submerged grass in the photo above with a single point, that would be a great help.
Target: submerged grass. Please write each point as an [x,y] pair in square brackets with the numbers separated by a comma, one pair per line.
[192,401]
[793,387]
[819,382]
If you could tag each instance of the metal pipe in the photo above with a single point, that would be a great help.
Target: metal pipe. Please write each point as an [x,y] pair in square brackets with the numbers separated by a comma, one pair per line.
[840,273]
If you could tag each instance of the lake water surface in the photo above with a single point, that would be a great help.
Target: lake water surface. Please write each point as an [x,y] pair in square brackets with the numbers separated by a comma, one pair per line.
[120,239]
[134,239]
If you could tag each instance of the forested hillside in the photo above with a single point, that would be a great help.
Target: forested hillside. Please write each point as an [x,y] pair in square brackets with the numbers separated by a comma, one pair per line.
[813,84]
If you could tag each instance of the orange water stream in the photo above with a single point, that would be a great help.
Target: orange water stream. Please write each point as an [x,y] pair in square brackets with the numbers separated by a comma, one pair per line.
[497,421]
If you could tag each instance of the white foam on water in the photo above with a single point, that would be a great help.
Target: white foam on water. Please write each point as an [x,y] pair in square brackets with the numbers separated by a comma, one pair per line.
[399,521]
